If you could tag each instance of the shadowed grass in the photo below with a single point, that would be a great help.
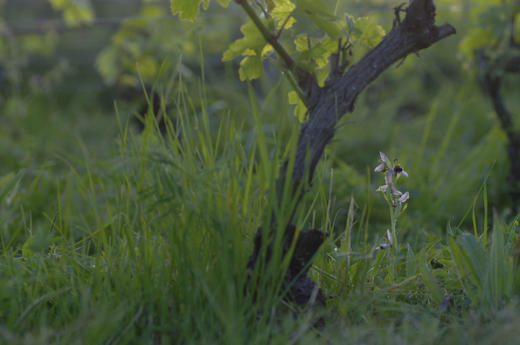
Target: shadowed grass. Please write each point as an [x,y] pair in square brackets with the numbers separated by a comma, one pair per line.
[149,245]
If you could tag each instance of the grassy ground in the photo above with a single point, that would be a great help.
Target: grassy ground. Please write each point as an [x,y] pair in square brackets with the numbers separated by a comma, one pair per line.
[109,236]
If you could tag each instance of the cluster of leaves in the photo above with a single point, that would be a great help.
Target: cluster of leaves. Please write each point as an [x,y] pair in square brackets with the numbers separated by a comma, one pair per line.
[498,23]
[309,45]
[132,52]
[144,47]
[17,49]
[190,9]
[141,47]
[310,31]
[75,12]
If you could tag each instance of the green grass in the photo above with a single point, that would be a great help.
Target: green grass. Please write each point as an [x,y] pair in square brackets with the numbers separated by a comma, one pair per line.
[147,243]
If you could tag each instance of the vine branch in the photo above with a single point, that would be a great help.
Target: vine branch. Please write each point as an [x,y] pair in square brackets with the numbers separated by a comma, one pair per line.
[415,32]
[328,104]
[268,36]
[306,81]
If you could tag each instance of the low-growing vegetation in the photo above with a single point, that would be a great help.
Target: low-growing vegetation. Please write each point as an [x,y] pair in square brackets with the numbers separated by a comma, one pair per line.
[173,217]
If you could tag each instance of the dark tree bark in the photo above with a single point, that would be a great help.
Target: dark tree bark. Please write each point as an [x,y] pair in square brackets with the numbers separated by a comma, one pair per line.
[328,104]
[416,32]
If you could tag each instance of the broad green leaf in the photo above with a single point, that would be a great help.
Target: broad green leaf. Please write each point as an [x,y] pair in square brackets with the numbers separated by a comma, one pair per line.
[368,31]
[106,63]
[223,3]
[75,13]
[320,13]
[477,38]
[252,39]
[317,49]
[302,43]
[323,50]
[251,67]
[316,58]
[281,10]
[253,47]
[76,16]
[300,110]
[315,7]
[330,27]
[268,49]
[189,9]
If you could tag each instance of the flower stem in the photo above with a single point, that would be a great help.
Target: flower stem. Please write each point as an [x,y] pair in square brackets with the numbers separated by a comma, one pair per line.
[393,221]
[395,243]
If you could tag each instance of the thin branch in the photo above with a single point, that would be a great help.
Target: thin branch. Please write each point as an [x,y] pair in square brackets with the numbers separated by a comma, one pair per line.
[306,81]
[264,11]
[286,20]
[268,36]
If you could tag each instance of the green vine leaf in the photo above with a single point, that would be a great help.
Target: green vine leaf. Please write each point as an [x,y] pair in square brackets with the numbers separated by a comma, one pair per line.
[253,47]
[75,13]
[251,67]
[252,40]
[281,10]
[189,9]
[314,55]
[477,38]
[319,12]
[300,110]
[367,31]
[224,3]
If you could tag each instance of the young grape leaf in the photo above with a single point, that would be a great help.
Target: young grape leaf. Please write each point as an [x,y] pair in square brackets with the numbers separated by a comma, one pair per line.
[319,12]
[251,67]
[189,9]
[252,40]
[314,55]
[224,3]
[75,13]
[280,11]
[300,110]
[368,31]
[253,47]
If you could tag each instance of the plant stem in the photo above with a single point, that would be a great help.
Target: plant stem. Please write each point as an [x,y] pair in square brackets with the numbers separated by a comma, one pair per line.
[393,221]
[268,36]
[395,243]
